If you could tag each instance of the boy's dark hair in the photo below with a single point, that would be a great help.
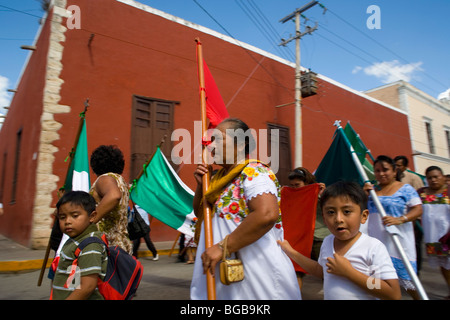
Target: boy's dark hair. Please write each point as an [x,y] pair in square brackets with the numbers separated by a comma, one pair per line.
[80,198]
[106,159]
[348,189]
[403,158]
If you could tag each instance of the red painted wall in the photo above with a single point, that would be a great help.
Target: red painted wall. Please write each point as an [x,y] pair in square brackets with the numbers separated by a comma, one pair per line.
[151,56]
[25,112]
[133,52]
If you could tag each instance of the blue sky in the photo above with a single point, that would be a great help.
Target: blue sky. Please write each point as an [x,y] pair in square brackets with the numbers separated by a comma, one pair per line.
[412,42]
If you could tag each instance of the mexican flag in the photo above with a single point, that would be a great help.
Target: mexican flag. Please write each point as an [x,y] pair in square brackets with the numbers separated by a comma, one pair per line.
[78,178]
[337,164]
[163,195]
[361,150]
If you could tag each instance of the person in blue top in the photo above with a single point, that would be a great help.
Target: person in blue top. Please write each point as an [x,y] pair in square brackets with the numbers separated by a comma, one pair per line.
[402,205]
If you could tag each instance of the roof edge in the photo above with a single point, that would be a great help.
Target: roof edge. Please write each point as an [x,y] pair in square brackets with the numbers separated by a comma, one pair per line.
[206,30]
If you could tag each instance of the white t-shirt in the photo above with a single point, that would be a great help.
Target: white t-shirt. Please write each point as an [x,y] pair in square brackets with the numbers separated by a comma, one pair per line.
[367,255]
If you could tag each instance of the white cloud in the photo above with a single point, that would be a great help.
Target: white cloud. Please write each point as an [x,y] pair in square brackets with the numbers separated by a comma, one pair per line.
[391,71]
[5,96]
[356,69]
[444,95]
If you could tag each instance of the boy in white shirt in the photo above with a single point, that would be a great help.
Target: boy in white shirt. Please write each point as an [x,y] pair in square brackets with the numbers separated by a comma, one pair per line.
[352,264]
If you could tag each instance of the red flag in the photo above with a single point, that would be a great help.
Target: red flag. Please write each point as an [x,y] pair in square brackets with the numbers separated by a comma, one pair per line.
[298,211]
[216,111]
[215,107]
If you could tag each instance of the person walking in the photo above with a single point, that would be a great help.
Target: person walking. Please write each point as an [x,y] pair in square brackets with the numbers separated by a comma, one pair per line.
[110,191]
[436,221]
[148,241]
[244,195]
[402,205]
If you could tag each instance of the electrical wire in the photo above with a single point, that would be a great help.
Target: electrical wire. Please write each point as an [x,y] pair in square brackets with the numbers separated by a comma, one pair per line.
[304,105]
[264,28]
[380,44]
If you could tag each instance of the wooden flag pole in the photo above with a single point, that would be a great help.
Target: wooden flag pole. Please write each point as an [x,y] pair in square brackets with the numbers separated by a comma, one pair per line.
[163,139]
[47,250]
[210,281]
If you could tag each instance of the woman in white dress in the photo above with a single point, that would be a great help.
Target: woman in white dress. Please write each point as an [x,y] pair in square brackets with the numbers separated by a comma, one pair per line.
[244,200]
[402,205]
[436,220]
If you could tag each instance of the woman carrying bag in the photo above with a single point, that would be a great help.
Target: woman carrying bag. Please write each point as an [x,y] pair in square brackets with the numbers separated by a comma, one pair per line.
[244,198]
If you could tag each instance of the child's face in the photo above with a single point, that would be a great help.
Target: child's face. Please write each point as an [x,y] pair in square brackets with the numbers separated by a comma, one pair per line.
[73,219]
[296,183]
[343,217]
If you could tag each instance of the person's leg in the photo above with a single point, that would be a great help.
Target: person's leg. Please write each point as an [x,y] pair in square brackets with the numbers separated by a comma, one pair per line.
[151,246]
[446,274]
[136,244]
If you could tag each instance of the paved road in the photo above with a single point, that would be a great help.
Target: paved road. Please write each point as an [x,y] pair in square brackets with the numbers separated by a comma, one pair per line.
[168,279]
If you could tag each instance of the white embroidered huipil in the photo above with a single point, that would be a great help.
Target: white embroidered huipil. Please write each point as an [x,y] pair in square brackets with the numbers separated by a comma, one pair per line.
[269,273]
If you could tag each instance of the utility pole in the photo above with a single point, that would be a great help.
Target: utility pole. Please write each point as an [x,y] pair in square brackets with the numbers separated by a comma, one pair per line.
[298,85]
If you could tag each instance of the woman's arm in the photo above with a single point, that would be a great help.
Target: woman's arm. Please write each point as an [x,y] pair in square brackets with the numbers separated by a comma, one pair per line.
[110,195]
[263,214]
[262,217]
[414,213]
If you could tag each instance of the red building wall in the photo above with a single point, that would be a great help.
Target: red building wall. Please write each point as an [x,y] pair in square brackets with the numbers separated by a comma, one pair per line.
[24,114]
[121,51]
[151,56]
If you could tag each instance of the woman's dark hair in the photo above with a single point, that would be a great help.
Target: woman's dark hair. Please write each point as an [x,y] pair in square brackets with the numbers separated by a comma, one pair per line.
[389,161]
[303,175]
[431,168]
[79,198]
[345,189]
[106,159]
[249,140]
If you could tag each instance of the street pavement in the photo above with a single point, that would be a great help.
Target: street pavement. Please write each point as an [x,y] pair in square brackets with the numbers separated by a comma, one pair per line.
[165,279]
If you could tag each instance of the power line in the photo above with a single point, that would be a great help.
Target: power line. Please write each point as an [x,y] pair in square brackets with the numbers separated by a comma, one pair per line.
[262,27]
[380,44]
[276,36]
[240,45]
[226,31]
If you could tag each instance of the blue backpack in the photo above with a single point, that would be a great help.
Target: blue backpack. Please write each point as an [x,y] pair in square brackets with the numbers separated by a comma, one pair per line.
[123,273]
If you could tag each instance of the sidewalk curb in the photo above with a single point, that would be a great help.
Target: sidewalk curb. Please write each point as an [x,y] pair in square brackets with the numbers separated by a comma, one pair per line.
[36,264]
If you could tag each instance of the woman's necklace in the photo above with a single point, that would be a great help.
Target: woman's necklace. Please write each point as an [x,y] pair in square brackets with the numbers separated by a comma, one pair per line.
[386,189]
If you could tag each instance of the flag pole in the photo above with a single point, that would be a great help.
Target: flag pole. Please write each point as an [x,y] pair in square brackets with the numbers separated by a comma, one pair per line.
[362,143]
[392,230]
[163,139]
[80,127]
[210,282]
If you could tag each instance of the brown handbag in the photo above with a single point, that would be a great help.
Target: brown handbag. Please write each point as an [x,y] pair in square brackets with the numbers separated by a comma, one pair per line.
[231,270]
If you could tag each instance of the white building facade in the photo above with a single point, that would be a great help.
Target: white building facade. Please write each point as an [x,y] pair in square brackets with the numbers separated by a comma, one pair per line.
[429,123]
